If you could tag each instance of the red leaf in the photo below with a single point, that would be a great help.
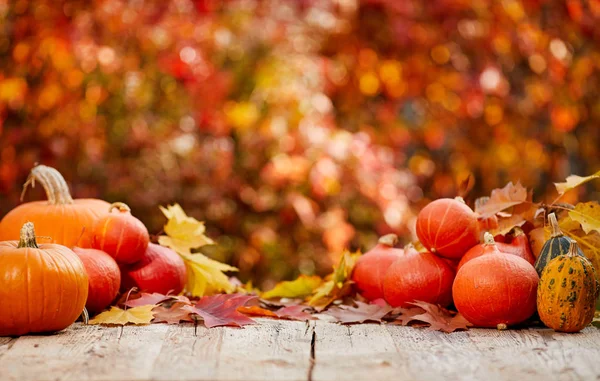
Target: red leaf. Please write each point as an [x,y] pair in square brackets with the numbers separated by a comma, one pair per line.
[173,315]
[221,310]
[294,313]
[501,199]
[147,299]
[256,311]
[359,314]
[440,319]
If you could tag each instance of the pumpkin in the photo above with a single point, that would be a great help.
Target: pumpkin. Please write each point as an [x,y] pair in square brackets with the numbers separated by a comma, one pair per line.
[519,246]
[371,267]
[567,292]
[121,235]
[448,227]
[104,278]
[66,221]
[495,289]
[416,276]
[556,246]
[44,288]
[160,270]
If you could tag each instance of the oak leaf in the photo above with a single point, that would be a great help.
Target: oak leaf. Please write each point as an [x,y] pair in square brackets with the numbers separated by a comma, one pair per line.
[574,181]
[221,310]
[502,199]
[360,313]
[588,215]
[116,316]
[301,287]
[173,314]
[439,318]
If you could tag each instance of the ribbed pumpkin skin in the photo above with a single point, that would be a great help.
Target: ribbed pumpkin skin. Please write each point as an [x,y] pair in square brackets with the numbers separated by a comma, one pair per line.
[104,278]
[567,293]
[43,290]
[448,228]
[519,247]
[369,272]
[496,289]
[553,248]
[68,225]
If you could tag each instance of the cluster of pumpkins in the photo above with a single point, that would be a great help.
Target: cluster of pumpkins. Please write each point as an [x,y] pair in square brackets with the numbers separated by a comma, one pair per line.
[97,250]
[492,284]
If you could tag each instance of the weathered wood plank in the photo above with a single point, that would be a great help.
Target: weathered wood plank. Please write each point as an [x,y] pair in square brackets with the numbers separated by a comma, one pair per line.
[273,350]
[5,344]
[85,353]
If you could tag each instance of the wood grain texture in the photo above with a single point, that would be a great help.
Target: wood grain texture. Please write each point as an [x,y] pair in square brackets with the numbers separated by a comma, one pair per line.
[286,350]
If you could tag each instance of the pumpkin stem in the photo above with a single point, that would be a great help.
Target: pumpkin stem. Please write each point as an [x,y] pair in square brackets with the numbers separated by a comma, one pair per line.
[54,184]
[460,199]
[28,236]
[488,239]
[573,249]
[389,240]
[501,327]
[121,206]
[554,223]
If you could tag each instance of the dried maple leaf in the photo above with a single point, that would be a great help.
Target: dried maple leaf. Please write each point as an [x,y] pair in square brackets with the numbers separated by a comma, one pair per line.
[116,316]
[589,243]
[184,233]
[505,225]
[294,313]
[588,215]
[172,315]
[359,314]
[405,315]
[301,287]
[221,310]
[573,182]
[439,318]
[147,299]
[502,199]
[338,284]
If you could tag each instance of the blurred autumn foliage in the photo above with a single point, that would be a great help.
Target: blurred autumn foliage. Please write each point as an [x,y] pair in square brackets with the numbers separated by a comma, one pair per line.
[297,128]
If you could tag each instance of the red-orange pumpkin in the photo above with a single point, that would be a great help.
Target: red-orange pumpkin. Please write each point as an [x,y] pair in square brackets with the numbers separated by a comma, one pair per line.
[161,270]
[65,221]
[43,288]
[448,227]
[519,246]
[496,289]
[417,276]
[104,278]
[121,235]
[371,267]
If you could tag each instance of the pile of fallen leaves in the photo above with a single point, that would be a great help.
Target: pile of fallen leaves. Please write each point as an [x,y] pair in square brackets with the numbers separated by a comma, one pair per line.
[215,299]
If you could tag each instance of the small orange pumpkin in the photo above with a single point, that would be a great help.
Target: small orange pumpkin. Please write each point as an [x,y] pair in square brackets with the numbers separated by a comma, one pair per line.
[66,221]
[44,288]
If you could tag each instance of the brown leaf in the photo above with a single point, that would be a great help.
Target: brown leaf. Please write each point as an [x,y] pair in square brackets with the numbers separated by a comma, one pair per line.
[505,225]
[502,199]
[465,183]
[172,315]
[146,299]
[294,313]
[406,315]
[359,314]
[440,319]
[221,310]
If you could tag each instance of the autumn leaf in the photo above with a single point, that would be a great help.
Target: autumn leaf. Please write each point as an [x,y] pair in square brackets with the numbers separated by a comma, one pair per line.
[221,310]
[588,243]
[502,199]
[147,299]
[294,313]
[206,276]
[301,287]
[184,233]
[338,284]
[256,311]
[406,315]
[588,215]
[505,225]
[439,318]
[573,182]
[116,316]
[173,314]
[361,313]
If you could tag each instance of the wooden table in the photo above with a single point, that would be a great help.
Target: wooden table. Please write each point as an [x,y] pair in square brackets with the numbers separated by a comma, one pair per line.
[286,350]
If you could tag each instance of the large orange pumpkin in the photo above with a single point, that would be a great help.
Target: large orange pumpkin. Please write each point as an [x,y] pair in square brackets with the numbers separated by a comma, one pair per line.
[44,288]
[65,221]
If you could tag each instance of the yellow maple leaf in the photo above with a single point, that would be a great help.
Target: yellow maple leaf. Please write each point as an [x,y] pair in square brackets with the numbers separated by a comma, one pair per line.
[205,275]
[338,283]
[116,316]
[574,181]
[301,287]
[588,215]
[184,233]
